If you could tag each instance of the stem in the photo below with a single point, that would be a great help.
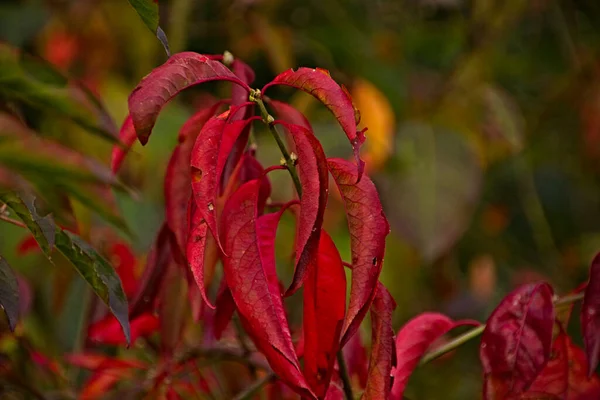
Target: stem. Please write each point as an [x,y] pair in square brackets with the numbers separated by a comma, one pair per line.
[255,96]
[473,333]
[12,221]
[344,375]
[254,388]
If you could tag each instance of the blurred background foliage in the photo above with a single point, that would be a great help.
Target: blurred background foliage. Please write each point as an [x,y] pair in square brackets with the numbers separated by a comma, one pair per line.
[484,138]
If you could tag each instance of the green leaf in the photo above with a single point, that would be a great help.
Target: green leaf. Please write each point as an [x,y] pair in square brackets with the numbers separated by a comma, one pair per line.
[41,89]
[9,293]
[148,11]
[431,199]
[98,273]
[42,228]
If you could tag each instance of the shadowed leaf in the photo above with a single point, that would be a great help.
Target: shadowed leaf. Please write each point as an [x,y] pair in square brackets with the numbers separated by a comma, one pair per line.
[517,340]
[9,293]
[590,316]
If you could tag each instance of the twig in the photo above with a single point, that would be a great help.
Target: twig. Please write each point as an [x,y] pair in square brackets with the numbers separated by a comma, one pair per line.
[12,221]
[255,96]
[344,375]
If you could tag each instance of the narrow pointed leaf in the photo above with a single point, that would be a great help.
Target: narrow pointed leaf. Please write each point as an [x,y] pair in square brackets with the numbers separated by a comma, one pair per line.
[565,374]
[173,308]
[180,71]
[368,228]
[517,340]
[42,228]
[312,171]
[196,249]
[158,259]
[382,348]
[249,271]
[413,340]
[9,293]
[357,362]
[224,309]
[209,155]
[127,137]
[324,309]
[26,81]
[318,83]
[98,273]
[148,12]
[590,316]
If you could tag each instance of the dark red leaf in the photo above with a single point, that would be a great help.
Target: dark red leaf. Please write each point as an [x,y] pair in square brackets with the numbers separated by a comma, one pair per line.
[312,171]
[382,348]
[517,340]
[173,302]
[156,265]
[108,330]
[565,374]
[194,124]
[355,355]
[368,228]
[324,309]
[179,72]
[318,83]
[225,307]
[127,137]
[590,316]
[250,272]
[413,340]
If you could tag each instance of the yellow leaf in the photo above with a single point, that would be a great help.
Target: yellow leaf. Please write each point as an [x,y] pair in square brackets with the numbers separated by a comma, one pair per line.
[378,116]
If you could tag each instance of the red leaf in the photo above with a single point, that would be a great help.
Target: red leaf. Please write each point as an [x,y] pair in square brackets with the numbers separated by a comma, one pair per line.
[172,308]
[517,339]
[225,307]
[196,249]
[319,84]
[95,361]
[250,276]
[209,155]
[355,355]
[413,340]
[382,348]
[312,171]
[590,316]
[156,264]
[124,261]
[324,309]
[127,137]
[108,330]
[28,245]
[368,228]
[179,72]
[565,373]
[289,114]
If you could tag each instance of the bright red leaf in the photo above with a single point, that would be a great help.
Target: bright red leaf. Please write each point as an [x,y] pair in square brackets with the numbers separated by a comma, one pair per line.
[179,72]
[368,228]
[565,374]
[251,279]
[590,316]
[517,340]
[413,340]
[196,249]
[312,171]
[324,309]
[124,262]
[289,114]
[127,137]
[318,83]
[108,330]
[382,348]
